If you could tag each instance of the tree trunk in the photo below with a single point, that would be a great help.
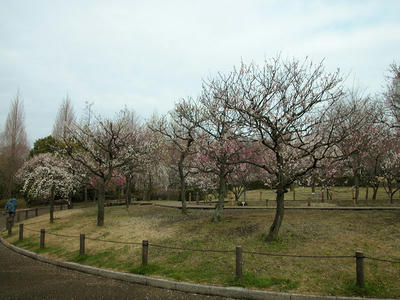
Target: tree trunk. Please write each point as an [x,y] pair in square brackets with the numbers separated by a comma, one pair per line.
[357,185]
[294,192]
[391,197]
[220,205]
[52,205]
[100,204]
[182,184]
[375,189]
[322,194]
[274,229]
[366,193]
[128,191]
[85,194]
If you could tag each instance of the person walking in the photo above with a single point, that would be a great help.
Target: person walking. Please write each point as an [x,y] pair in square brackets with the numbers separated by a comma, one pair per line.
[11,207]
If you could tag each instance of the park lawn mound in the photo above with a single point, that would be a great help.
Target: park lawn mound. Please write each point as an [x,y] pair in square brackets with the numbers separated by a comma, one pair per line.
[311,233]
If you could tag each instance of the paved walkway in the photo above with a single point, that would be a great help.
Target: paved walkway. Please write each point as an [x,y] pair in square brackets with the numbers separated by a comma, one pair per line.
[24,278]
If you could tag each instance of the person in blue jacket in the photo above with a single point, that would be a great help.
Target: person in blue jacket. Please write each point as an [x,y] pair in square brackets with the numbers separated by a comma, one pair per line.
[11,206]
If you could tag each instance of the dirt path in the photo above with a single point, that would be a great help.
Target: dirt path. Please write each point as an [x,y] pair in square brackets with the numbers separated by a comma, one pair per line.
[24,278]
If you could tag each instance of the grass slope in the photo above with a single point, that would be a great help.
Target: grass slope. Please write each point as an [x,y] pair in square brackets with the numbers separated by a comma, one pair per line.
[376,233]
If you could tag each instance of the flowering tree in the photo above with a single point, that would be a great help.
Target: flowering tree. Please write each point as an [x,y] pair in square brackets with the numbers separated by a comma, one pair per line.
[218,149]
[241,177]
[285,107]
[46,175]
[101,147]
[361,123]
[390,168]
[179,130]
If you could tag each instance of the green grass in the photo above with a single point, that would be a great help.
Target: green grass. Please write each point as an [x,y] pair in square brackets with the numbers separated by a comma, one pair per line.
[372,288]
[254,280]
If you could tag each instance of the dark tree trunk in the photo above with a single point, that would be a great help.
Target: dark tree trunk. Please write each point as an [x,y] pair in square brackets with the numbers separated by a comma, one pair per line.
[322,194]
[100,204]
[52,205]
[220,205]
[294,192]
[150,188]
[85,194]
[280,208]
[366,193]
[357,185]
[182,183]
[128,190]
[375,189]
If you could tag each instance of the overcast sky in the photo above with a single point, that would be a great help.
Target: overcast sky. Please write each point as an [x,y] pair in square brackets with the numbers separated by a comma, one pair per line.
[148,54]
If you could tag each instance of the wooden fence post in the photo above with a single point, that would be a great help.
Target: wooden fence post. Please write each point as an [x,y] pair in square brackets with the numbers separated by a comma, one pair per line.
[82,244]
[18,216]
[21,232]
[145,252]
[36,211]
[239,262]
[360,269]
[42,235]
[26,214]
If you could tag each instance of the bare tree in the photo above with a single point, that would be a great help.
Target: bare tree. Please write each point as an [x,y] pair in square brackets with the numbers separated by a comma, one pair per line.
[14,144]
[285,106]
[65,118]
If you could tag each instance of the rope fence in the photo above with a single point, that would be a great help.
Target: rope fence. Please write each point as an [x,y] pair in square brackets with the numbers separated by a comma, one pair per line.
[359,256]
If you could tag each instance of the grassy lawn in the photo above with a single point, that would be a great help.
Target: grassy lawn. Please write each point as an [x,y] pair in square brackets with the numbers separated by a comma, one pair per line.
[341,196]
[376,233]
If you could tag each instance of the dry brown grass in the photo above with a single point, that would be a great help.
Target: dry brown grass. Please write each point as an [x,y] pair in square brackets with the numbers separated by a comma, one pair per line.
[376,233]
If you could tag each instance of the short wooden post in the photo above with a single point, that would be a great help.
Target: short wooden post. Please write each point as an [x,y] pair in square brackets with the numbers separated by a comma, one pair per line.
[21,232]
[239,262]
[17,216]
[42,235]
[145,252]
[26,214]
[36,211]
[82,244]
[266,202]
[360,269]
